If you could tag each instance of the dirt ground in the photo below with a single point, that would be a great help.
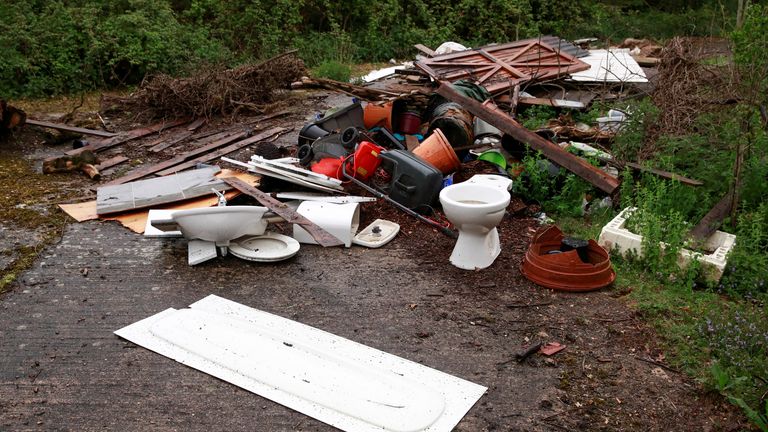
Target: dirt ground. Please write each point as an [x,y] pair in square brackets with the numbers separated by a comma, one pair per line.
[62,368]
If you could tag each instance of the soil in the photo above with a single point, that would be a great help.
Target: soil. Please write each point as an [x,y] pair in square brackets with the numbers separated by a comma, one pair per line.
[61,368]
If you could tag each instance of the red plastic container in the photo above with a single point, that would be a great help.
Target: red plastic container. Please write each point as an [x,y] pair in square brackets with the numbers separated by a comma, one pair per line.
[328,166]
[410,123]
[366,160]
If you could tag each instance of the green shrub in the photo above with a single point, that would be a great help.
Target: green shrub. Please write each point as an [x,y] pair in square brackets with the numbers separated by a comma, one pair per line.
[333,70]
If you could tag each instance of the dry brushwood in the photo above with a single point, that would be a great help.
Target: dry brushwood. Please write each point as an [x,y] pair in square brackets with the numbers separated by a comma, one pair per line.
[687,86]
[218,91]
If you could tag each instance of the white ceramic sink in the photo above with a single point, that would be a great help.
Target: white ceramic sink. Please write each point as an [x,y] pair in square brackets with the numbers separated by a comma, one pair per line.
[217,224]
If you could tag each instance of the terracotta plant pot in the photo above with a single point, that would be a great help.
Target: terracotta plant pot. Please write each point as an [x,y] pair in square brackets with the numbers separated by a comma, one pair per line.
[438,151]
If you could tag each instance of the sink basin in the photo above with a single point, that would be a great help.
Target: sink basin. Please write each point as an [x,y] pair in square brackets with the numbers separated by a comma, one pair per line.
[217,224]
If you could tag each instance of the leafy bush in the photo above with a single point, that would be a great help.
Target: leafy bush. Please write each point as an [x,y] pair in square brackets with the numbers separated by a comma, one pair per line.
[333,70]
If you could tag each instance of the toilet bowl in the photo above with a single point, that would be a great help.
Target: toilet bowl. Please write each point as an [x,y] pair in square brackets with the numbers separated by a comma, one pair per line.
[475,207]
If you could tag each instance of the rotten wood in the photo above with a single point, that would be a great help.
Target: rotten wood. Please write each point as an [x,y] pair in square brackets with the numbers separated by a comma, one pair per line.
[595,176]
[124,137]
[321,236]
[113,161]
[500,67]
[660,173]
[713,219]
[67,128]
[367,93]
[164,144]
[429,52]
[145,171]
[81,162]
[224,151]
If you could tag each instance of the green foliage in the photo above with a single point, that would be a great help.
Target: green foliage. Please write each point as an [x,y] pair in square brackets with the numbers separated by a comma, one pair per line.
[333,70]
[750,44]
[747,272]
[562,194]
[536,116]
[738,343]
[631,143]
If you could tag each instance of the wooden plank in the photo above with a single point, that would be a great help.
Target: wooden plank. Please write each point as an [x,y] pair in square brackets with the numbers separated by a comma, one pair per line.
[128,136]
[224,151]
[425,50]
[109,163]
[195,125]
[552,151]
[713,219]
[321,236]
[170,142]
[67,128]
[663,174]
[145,171]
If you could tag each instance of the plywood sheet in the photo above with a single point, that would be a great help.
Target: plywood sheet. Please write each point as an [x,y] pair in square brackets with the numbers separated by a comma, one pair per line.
[613,65]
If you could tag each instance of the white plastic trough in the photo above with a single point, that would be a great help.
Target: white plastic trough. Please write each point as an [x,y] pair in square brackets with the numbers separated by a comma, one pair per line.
[615,235]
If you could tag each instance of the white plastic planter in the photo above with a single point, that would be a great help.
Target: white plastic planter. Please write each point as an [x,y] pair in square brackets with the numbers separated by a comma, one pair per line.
[615,236]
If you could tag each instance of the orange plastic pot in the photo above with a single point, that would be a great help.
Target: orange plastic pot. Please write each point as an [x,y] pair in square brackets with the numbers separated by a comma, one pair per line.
[438,151]
[565,271]
[378,115]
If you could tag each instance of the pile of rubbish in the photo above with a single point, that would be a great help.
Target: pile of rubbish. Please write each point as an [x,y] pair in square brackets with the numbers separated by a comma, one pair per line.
[437,140]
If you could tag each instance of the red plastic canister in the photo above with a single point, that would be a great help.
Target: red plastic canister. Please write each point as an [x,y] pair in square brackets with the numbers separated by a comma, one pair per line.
[366,160]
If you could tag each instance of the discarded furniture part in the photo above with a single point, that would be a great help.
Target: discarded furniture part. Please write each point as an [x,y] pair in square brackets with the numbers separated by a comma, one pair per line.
[156,191]
[476,207]
[219,225]
[414,183]
[136,220]
[291,173]
[713,219]
[311,196]
[10,117]
[552,151]
[124,137]
[501,67]
[611,66]
[437,150]
[456,124]
[207,157]
[378,194]
[340,220]
[340,382]
[377,234]
[85,162]
[552,265]
[268,247]
[200,251]
[616,236]
[67,128]
[157,215]
[321,236]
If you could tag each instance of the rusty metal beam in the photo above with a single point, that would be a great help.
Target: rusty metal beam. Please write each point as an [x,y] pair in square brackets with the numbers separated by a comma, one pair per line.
[595,176]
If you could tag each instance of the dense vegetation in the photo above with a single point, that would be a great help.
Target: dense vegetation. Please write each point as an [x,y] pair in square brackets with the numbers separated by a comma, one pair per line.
[65,46]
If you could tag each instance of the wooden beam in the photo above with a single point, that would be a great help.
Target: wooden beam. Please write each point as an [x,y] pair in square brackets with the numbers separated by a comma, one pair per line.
[321,236]
[712,220]
[109,163]
[559,103]
[223,152]
[595,176]
[67,128]
[425,50]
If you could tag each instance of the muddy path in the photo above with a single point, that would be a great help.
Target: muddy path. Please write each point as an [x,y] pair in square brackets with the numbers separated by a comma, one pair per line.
[61,368]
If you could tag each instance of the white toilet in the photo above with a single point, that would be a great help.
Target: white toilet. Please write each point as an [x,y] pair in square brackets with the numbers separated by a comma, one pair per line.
[475,207]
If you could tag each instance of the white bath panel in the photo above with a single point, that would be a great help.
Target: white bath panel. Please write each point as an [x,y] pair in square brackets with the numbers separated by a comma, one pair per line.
[343,383]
